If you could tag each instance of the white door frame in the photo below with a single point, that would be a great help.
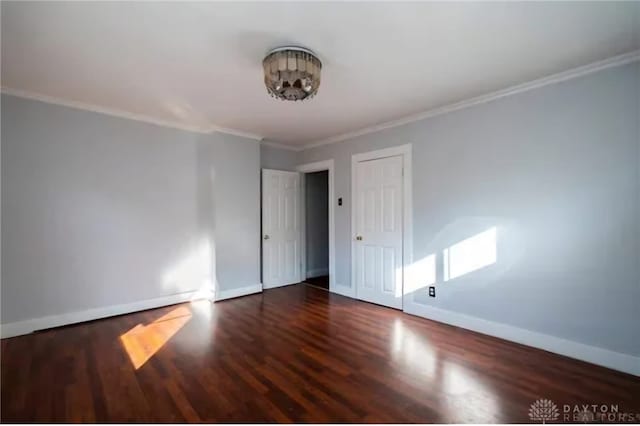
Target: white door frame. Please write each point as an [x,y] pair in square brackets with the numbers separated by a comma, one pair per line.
[318,166]
[407,210]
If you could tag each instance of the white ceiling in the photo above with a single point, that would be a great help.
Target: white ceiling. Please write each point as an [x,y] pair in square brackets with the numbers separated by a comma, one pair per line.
[199,64]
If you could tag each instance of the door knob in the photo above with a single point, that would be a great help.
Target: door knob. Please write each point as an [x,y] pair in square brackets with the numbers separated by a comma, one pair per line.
[266,237]
[359,238]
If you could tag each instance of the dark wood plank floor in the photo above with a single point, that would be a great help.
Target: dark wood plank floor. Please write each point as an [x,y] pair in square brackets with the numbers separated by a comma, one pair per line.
[294,354]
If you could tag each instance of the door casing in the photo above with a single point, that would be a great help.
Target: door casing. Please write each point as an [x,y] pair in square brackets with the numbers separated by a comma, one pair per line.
[319,166]
[407,215]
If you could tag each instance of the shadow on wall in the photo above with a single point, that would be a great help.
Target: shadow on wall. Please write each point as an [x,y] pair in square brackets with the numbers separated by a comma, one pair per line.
[195,268]
[480,256]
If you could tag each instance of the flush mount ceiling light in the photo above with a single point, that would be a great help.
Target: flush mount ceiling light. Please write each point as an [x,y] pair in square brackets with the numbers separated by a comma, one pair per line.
[292,73]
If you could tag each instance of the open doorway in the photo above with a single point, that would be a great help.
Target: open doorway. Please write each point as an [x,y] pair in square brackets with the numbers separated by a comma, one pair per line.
[316,208]
[324,215]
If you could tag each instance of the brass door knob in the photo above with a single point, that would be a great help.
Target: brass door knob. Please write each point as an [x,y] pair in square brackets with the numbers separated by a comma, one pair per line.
[359,238]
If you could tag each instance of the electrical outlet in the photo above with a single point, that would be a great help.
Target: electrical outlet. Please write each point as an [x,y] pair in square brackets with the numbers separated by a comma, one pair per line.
[432,291]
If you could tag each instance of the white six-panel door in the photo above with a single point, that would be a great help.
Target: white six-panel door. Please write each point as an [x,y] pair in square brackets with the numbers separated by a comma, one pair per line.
[378,231]
[280,228]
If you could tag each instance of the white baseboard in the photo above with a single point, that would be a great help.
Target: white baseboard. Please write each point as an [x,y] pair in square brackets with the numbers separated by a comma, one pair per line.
[266,287]
[343,290]
[595,355]
[317,272]
[29,326]
[237,292]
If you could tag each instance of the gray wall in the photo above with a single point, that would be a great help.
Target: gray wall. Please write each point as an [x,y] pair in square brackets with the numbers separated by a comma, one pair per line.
[317,223]
[278,159]
[99,211]
[556,170]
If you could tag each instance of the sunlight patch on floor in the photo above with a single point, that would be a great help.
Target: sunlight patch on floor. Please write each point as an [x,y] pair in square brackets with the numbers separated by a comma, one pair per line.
[144,341]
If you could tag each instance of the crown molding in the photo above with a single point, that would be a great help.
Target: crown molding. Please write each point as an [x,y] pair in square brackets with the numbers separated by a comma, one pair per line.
[281,146]
[234,132]
[102,110]
[615,61]
[126,114]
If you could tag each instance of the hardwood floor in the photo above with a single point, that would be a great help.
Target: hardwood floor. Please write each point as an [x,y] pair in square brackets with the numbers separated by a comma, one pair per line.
[293,354]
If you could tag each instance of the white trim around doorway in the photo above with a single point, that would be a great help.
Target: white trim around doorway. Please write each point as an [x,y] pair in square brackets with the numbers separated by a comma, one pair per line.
[319,166]
[407,209]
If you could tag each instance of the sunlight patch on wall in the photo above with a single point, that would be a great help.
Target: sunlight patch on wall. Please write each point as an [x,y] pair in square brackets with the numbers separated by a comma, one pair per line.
[420,274]
[195,271]
[144,341]
[471,254]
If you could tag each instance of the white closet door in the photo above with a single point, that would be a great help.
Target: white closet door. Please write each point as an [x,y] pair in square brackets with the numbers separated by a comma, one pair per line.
[378,231]
[280,228]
